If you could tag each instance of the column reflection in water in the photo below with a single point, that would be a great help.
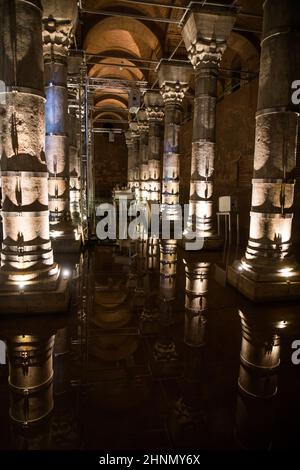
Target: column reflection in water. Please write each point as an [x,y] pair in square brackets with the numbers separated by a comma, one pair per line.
[259,363]
[164,353]
[188,417]
[30,348]
[195,301]
[150,313]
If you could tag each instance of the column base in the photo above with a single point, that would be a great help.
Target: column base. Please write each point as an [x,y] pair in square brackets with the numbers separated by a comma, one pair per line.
[66,245]
[211,243]
[260,287]
[20,302]
[65,238]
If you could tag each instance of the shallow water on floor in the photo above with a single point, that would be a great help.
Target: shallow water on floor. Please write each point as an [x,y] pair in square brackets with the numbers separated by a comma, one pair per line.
[157,352]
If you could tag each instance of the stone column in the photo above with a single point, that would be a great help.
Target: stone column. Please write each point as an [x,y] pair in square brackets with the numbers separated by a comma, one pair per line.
[155,114]
[143,128]
[205,33]
[130,165]
[27,265]
[174,82]
[134,150]
[74,169]
[268,271]
[196,291]
[58,25]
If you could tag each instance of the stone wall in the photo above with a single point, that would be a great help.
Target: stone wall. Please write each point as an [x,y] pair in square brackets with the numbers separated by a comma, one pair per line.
[110,163]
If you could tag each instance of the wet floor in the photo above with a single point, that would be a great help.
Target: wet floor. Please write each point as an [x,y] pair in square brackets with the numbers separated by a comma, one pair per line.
[156,353]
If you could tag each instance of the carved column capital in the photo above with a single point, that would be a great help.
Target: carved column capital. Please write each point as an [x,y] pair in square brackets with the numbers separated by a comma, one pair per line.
[154,107]
[142,122]
[174,82]
[56,36]
[173,92]
[205,33]
[201,53]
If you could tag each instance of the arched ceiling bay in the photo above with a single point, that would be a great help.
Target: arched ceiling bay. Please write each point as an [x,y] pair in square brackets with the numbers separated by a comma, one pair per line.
[119,41]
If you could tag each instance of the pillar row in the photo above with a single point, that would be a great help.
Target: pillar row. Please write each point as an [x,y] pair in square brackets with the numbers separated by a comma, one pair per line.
[205,34]
[174,82]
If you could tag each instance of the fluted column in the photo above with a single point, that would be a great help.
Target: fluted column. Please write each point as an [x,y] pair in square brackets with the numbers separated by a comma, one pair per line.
[174,82]
[155,114]
[205,33]
[268,270]
[27,264]
[143,129]
[58,25]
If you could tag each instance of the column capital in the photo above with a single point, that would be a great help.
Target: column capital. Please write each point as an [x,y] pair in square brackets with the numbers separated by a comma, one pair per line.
[142,122]
[56,36]
[174,82]
[59,20]
[154,106]
[205,33]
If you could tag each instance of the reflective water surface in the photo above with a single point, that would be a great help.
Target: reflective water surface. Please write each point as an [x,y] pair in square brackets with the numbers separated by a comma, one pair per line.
[155,353]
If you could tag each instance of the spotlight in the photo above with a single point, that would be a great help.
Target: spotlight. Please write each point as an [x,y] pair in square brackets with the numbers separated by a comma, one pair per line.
[66,273]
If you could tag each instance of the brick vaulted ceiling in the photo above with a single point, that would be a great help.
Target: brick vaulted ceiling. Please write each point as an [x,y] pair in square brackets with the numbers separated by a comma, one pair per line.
[126,39]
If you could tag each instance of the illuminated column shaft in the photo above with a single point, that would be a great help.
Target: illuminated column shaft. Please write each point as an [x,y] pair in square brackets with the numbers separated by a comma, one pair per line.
[143,166]
[276,136]
[155,114]
[268,255]
[26,252]
[196,291]
[30,377]
[57,145]
[74,167]
[205,34]
[173,85]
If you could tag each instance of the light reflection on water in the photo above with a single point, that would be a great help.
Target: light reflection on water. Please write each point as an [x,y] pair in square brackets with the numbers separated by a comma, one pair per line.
[154,352]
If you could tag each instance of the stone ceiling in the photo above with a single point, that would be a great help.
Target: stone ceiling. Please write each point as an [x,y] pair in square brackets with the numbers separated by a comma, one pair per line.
[124,40]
